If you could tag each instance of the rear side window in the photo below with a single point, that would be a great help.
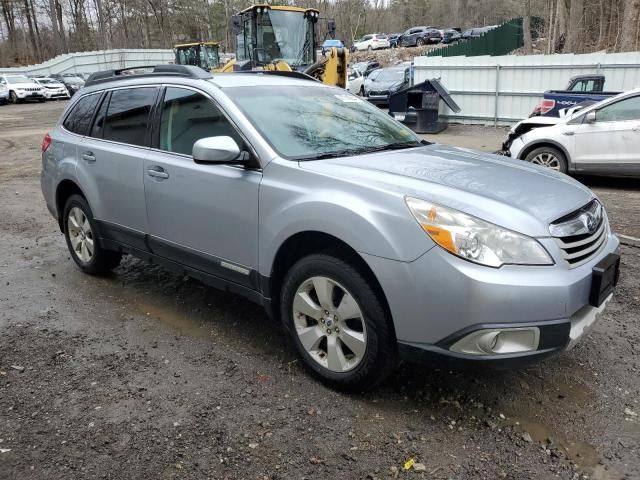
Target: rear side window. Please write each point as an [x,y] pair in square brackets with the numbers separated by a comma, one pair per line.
[98,124]
[127,118]
[79,117]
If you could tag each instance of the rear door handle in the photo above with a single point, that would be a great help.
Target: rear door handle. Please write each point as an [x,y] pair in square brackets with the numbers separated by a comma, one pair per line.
[88,157]
[158,172]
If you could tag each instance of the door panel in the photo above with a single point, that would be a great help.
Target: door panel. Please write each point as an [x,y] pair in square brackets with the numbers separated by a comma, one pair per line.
[110,164]
[614,137]
[208,214]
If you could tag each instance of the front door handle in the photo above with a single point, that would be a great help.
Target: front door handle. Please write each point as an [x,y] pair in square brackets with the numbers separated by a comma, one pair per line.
[636,128]
[158,172]
[88,157]
[568,132]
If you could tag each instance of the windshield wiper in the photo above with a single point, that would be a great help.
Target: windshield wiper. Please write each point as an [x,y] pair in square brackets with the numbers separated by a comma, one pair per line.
[364,150]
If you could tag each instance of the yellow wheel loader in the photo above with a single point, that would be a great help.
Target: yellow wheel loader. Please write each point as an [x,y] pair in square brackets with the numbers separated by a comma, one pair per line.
[271,37]
[205,55]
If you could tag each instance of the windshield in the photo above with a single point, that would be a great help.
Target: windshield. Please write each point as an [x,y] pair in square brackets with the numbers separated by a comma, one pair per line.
[317,121]
[44,81]
[209,57]
[72,78]
[18,79]
[332,43]
[390,76]
[286,36]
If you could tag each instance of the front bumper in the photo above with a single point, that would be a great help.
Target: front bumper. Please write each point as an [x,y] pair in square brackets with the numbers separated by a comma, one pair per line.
[56,94]
[29,95]
[438,299]
[378,99]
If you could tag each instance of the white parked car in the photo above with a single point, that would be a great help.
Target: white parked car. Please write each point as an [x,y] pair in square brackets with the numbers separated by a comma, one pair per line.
[602,138]
[22,88]
[4,94]
[355,81]
[52,88]
[374,41]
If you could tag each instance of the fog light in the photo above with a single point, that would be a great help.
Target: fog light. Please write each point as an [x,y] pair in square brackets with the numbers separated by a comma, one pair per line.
[498,341]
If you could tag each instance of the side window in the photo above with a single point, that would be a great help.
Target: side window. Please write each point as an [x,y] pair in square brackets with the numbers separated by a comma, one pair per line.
[627,109]
[79,117]
[188,116]
[97,130]
[128,115]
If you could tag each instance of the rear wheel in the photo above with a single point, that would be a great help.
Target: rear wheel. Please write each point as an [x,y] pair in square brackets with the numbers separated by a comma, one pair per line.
[337,323]
[548,157]
[82,241]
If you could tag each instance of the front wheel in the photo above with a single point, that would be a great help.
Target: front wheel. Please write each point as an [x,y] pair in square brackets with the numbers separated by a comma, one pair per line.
[548,157]
[83,243]
[361,93]
[337,323]
[369,48]
[13,98]
[419,42]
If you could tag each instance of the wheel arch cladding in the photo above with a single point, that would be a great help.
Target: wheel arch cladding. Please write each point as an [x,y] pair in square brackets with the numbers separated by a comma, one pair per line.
[65,189]
[545,143]
[309,242]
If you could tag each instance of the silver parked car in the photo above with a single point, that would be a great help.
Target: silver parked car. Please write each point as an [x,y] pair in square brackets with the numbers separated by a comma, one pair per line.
[367,243]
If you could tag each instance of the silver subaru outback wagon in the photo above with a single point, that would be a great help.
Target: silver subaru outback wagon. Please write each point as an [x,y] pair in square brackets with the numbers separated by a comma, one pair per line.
[369,244]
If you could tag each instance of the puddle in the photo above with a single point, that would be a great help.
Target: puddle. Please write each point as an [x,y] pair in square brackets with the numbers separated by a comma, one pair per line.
[186,325]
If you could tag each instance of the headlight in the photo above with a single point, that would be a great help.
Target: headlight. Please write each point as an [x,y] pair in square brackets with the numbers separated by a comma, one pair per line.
[474,239]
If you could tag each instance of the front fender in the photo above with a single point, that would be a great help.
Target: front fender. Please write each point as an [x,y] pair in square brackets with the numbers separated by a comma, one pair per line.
[370,221]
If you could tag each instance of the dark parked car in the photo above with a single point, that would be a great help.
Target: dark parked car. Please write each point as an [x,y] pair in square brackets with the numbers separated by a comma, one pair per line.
[329,44]
[393,39]
[388,81]
[450,35]
[476,32]
[70,80]
[419,36]
[365,68]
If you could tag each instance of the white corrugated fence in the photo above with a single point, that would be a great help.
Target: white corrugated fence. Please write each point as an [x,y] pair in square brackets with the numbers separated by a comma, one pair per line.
[502,90]
[88,62]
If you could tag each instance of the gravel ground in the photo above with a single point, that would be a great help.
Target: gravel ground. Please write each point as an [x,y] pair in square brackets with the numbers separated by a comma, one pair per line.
[146,374]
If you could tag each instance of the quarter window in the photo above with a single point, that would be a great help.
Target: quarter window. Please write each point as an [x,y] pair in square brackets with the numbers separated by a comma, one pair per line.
[188,116]
[127,118]
[627,109]
[98,124]
[80,115]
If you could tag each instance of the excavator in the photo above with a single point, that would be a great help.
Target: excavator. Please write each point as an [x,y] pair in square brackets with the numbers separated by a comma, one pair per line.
[272,37]
[205,55]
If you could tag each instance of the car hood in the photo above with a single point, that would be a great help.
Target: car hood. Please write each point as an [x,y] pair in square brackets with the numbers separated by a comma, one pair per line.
[507,192]
[26,85]
[378,85]
[54,85]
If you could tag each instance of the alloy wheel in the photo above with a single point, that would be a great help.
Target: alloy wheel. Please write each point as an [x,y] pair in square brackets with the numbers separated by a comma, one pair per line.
[548,160]
[329,324]
[80,235]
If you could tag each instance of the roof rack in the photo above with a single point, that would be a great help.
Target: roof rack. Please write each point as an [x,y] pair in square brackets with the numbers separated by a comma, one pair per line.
[188,71]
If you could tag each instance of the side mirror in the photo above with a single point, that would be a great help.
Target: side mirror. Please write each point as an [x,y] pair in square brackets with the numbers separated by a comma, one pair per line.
[216,150]
[590,117]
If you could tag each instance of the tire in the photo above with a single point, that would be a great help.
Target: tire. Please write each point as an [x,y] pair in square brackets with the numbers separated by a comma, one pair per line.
[548,157]
[361,350]
[42,100]
[100,260]
[13,98]
[419,42]
[361,93]
[369,48]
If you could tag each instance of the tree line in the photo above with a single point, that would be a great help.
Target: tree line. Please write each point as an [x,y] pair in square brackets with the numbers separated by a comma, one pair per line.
[35,30]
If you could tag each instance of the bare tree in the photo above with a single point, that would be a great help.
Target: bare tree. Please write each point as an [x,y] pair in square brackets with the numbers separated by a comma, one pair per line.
[629,31]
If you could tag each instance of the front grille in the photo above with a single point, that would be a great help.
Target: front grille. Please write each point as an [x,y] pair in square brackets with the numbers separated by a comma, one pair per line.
[580,247]
[30,89]
[379,92]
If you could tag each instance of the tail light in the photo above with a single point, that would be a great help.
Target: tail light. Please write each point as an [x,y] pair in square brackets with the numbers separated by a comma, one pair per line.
[46,141]
[546,106]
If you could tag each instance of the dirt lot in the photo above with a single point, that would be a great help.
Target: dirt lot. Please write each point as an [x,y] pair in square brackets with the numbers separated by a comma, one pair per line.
[146,374]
